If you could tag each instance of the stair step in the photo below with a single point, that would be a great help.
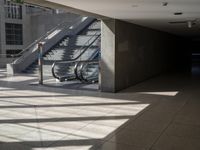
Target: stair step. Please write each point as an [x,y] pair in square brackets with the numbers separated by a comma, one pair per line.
[68,48]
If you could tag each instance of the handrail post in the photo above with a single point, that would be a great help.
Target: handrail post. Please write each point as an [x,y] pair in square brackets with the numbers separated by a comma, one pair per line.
[40,63]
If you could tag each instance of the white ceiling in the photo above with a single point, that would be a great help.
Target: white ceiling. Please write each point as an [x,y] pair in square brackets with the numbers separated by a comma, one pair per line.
[149,13]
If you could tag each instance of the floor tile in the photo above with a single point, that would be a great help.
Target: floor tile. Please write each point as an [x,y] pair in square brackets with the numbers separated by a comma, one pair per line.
[75,142]
[14,130]
[95,131]
[14,146]
[182,130]
[176,143]
[146,125]
[154,114]
[41,137]
[116,146]
[136,138]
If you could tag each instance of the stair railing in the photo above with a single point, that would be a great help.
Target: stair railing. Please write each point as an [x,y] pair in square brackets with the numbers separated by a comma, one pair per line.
[33,46]
[29,55]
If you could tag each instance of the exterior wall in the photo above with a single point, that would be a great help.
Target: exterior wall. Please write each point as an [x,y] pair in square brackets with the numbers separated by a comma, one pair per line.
[1,22]
[40,24]
[35,24]
[139,53]
[16,21]
[2,35]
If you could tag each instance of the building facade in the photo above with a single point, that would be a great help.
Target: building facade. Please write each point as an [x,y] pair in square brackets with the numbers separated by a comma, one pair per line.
[21,24]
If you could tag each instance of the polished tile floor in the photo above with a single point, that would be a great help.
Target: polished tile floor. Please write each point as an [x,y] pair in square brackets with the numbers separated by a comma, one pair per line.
[159,114]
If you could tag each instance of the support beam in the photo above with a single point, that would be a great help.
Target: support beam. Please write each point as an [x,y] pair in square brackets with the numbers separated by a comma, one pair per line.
[54,5]
[107,64]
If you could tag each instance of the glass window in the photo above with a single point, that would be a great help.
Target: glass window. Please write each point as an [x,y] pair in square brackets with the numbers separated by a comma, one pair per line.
[14,34]
[11,53]
[12,10]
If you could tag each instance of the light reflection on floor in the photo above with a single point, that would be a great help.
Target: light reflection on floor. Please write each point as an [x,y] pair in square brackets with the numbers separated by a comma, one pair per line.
[139,118]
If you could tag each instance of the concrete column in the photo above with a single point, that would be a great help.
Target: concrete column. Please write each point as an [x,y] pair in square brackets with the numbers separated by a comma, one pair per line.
[107,64]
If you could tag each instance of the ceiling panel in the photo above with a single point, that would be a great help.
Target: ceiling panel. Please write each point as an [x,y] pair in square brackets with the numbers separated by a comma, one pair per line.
[149,13]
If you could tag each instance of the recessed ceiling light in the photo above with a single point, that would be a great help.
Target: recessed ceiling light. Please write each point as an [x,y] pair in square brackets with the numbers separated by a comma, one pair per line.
[178,13]
[189,24]
[164,3]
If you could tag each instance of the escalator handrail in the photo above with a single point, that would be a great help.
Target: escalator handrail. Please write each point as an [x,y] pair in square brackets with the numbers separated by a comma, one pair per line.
[74,60]
[83,48]
[81,63]
[76,70]
[82,67]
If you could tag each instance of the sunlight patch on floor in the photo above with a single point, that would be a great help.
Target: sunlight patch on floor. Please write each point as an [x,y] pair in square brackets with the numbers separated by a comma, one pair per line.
[167,93]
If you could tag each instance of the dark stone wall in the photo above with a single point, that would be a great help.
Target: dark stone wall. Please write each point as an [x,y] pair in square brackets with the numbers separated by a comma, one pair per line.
[141,53]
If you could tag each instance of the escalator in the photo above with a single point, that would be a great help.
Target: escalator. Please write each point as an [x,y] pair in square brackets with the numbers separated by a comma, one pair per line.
[84,66]
[88,71]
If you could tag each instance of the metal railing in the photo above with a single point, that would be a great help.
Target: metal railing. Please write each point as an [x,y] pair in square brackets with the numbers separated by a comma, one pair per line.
[79,71]
[8,56]
[33,46]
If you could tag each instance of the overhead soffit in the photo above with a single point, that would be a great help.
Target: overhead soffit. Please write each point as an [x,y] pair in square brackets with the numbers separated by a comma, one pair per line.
[149,13]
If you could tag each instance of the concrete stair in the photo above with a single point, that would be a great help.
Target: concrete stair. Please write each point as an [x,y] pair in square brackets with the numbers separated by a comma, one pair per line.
[68,48]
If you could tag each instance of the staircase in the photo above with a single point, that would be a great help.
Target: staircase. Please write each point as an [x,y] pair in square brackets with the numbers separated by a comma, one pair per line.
[30,54]
[68,48]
